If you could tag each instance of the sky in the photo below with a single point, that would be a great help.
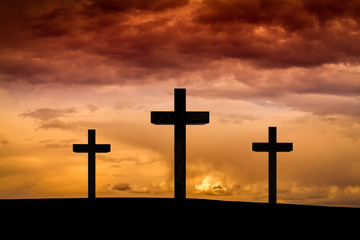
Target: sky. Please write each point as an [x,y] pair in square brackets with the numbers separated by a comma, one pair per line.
[68,66]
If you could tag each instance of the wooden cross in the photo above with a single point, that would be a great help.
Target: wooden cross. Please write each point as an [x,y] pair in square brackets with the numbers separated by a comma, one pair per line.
[180,118]
[272,147]
[91,148]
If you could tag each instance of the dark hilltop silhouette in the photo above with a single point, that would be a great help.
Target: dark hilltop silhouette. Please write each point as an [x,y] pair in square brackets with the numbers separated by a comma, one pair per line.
[165,207]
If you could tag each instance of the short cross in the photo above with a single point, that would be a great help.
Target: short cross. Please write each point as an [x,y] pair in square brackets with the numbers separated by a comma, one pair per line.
[91,148]
[180,118]
[272,147]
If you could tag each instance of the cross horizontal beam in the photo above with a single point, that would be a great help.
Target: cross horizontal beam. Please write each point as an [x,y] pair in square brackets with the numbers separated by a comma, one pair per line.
[98,148]
[268,147]
[188,118]
[272,147]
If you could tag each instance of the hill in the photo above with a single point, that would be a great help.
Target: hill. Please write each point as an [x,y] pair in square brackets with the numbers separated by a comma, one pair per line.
[170,218]
[160,205]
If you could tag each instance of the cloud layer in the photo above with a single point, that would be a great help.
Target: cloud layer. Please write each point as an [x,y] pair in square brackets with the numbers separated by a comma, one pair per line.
[96,42]
[49,118]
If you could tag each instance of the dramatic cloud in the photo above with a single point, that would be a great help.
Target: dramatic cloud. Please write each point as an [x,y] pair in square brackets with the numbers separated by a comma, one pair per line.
[275,51]
[117,42]
[211,186]
[293,64]
[282,33]
[292,15]
[123,6]
[122,187]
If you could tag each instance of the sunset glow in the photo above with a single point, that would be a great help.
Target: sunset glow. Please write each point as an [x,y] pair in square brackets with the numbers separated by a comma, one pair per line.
[69,66]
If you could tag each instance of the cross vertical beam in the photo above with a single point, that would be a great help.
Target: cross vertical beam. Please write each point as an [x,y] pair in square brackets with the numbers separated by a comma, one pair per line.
[180,143]
[91,148]
[91,165]
[272,147]
[179,118]
[272,167]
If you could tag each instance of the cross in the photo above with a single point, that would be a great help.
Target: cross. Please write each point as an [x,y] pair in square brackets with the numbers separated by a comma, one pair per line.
[272,147]
[180,118]
[91,148]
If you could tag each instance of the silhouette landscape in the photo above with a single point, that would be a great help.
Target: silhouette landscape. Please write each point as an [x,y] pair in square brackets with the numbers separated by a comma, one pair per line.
[87,88]
[179,118]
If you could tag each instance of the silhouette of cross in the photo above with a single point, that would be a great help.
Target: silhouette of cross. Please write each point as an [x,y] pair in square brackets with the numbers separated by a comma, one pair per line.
[91,148]
[180,118]
[272,147]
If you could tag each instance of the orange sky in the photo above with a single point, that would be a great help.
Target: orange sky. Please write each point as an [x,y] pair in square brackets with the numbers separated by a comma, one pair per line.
[67,66]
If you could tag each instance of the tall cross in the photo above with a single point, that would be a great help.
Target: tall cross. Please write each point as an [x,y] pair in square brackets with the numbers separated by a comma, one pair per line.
[91,148]
[272,147]
[180,118]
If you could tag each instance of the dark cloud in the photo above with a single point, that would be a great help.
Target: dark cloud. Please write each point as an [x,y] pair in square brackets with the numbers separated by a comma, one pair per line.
[48,118]
[124,6]
[51,143]
[45,114]
[326,10]
[218,189]
[3,140]
[56,123]
[139,41]
[290,14]
[56,23]
[122,187]
[92,108]
[31,70]
[281,34]
[83,17]
[257,12]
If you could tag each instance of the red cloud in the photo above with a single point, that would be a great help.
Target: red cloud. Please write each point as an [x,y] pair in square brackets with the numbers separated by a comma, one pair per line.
[289,14]
[282,33]
[101,42]
[124,6]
